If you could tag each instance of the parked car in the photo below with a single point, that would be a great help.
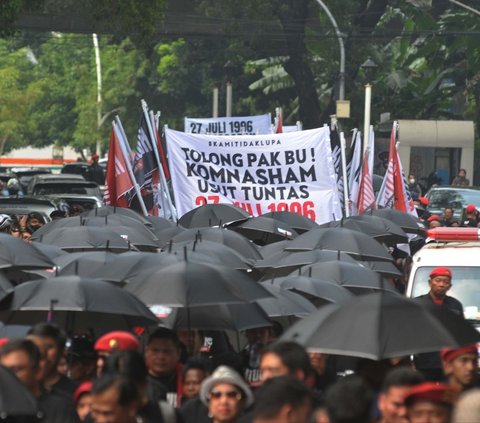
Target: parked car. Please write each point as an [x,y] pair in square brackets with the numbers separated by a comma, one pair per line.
[76,168]
[23,206]
[457,198]
[25,174]
[42,185]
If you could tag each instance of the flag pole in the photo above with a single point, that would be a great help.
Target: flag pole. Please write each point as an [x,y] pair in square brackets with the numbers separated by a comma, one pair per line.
[344,174]
[129,167]
[124,136]
[161,187]
[155,149]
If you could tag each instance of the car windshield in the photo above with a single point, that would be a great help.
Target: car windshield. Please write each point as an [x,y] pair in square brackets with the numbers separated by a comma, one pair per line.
[453,198]
[465,287]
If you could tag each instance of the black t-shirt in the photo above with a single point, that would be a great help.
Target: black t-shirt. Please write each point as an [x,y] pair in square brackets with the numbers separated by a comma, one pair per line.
[57,407]
[156,390]
[66,385]
[426,361]
[196,411]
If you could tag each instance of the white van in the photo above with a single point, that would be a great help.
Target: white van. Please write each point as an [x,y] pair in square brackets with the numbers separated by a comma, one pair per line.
[461,256]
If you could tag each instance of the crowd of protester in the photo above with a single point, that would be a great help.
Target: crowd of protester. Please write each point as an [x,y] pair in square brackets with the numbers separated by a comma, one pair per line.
[125,378]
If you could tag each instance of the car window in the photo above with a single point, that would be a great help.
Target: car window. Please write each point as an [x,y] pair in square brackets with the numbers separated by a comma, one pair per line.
[66,188]
[465,284]
[453,198]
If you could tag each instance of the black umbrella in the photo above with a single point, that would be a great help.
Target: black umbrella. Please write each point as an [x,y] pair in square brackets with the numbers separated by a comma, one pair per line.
[383,268]
[285,303]
[284,263]
[82,238]
[228,256]
[381,325]
[109,210]
[263,230]
[75,303]
[129,229]
[352,276]
[159,223]
[51,251]
[298,222]
[234,240]
[122,267]
[393,233]
[274,248]
[380,229]
[236,317]
[318,291]
[354,243]
[15,399]
[14,331]
[212,215]
[406,221]
[190,284]
[165,235]
[16,253]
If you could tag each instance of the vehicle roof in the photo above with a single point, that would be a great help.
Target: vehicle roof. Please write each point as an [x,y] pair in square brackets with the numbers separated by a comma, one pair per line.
[454,187]
[451,253]
[5,201]
[81,182]
[76,164]
[58,177]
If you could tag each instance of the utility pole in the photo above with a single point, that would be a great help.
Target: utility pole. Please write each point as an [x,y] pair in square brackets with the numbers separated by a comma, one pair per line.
[98,64]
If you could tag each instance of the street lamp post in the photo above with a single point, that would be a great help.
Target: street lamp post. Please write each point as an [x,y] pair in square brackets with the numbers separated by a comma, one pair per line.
[369,65]
[229,66]
[341,90]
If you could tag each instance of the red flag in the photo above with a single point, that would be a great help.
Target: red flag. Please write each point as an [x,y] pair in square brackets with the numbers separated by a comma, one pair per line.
[393,193]
[366,195]
[117,180]
[278,121]
[163,156]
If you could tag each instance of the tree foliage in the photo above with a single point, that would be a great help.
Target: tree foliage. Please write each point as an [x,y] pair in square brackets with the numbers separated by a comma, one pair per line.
[285,53]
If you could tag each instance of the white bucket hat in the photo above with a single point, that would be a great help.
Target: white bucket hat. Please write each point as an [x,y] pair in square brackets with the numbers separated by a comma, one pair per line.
[225,374]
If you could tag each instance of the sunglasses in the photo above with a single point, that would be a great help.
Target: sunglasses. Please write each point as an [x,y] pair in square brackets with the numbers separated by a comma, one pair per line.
[229,394]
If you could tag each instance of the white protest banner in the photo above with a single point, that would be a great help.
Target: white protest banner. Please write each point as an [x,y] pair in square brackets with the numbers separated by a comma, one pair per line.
[246,125]
[260,173]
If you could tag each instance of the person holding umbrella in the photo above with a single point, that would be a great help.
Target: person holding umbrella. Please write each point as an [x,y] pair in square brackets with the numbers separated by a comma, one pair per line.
[440,282]
[23,358]
[162,357]
[54,341]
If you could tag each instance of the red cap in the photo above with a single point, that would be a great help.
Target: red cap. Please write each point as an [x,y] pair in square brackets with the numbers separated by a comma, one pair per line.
[95,156]
[431,391]
[117,341]
[448,354]
[3,341]
[441,271]
[434,217]
[83,388]
[423,201]
[471,208]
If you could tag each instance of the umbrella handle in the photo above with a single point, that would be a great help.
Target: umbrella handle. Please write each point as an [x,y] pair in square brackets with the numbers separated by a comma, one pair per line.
[50,312]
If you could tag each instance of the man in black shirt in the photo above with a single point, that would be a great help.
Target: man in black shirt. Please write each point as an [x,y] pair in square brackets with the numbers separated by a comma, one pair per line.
[23,357]
[162,357]
[440,283]
[53,341]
